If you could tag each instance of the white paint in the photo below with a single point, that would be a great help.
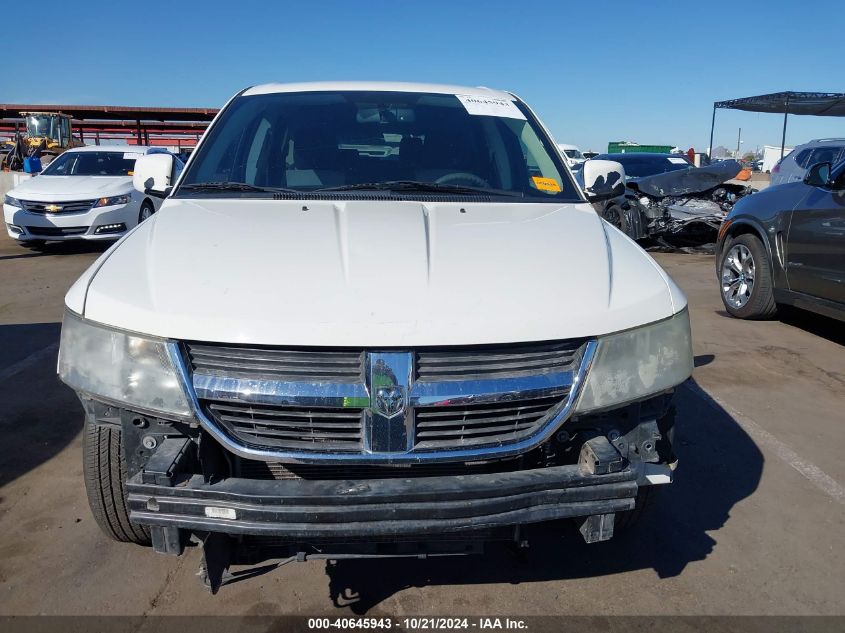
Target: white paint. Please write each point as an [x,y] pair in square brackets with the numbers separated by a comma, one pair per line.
[376,86]
[266,272]
[810,471]
[29,361]
[657,474]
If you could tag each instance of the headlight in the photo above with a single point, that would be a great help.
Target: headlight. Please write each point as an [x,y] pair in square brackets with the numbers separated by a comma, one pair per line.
[127,369]
[113,201]
[14,202]
[638,363]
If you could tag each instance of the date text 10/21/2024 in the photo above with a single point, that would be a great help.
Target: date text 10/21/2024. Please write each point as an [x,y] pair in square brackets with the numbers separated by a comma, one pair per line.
[419,623]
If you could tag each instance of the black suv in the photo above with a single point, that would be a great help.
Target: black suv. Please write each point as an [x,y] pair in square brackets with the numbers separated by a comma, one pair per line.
[786,245]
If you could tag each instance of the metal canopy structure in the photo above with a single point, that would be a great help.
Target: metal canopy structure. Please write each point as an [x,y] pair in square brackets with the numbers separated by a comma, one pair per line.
[134,125]
[786,103]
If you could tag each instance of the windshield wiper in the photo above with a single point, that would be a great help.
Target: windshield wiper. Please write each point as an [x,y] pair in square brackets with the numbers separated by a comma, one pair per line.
[425,187]
[234,186]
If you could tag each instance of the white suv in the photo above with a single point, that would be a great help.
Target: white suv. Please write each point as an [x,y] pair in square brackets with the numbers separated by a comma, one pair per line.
[85,193]
[793,166]
[370,317]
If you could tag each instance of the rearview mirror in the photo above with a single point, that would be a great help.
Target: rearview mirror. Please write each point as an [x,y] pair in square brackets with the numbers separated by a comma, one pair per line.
[153,174]
[818,175]
[603,179]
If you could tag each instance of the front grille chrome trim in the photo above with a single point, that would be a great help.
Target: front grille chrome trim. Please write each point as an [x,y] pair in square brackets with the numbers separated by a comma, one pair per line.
[57,208]
[566,384]
[315,394]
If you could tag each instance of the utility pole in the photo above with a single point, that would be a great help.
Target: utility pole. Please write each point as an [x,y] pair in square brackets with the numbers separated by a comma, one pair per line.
[738,141]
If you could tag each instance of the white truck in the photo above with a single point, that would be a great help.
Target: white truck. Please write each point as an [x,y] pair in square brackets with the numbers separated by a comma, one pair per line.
[366,352]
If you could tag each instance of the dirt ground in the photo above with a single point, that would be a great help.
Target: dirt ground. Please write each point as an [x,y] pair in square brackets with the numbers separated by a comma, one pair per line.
[752,525]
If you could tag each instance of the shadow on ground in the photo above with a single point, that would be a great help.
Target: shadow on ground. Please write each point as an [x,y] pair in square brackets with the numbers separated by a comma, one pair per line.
[810,322]
[39,415]
[816,324]
[719,466]
[71,247]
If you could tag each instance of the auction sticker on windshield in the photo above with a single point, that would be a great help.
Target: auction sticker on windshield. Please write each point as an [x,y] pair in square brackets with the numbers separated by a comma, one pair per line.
[490,106]
[545,184]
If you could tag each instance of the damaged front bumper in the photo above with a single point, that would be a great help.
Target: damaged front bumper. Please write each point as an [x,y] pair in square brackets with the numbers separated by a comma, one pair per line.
[301,509]
[168,495]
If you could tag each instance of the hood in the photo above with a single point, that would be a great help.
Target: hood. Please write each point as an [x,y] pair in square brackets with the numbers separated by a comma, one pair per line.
[686,181]
[374,273]
[60,188]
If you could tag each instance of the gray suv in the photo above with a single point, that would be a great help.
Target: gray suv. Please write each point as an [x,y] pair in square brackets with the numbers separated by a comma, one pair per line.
[785,246]
[793,166]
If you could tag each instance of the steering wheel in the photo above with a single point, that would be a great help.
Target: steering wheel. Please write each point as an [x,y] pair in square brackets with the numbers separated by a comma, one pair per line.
[461,177]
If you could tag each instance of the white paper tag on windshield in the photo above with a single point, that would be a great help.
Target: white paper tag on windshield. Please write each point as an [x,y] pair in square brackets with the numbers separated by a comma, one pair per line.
[490,106]
[678,161]
[131,156]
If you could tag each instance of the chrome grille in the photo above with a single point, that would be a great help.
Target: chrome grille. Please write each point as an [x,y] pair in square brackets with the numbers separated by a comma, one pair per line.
[492,362]
[70,206]
[277,364]
[478,425]
[291,427]
[429,405]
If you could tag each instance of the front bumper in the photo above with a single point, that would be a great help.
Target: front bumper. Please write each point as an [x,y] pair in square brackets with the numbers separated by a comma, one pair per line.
[24,225]
[304,509]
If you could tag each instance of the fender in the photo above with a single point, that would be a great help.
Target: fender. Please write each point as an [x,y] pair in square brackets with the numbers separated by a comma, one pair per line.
[732,227]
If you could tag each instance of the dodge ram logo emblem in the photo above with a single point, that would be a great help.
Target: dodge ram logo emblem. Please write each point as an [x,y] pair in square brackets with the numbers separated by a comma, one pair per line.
[390,401]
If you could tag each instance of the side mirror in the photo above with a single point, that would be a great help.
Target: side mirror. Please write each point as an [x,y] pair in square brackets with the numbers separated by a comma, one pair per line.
[153,174]
[603,179]
[818,175]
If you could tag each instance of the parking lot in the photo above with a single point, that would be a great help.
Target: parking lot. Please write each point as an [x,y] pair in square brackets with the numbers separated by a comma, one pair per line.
[752,525]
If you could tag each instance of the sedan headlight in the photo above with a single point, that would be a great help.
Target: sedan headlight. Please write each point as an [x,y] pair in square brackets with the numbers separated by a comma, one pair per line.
[112,201]
[638,363]
[121,367]
[14,202]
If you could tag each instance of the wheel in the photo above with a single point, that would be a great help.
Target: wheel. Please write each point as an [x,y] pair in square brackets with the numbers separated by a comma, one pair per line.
[645,500]
[147,210]
[614,215]
[746,279]
[104,467]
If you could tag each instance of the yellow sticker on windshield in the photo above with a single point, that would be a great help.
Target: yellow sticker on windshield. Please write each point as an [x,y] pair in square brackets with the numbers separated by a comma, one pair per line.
[545,184]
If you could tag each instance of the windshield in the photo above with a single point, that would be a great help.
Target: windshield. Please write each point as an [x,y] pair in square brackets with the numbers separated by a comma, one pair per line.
[642,166]
[358,140]
[92,164]
[42,125]
[573,153]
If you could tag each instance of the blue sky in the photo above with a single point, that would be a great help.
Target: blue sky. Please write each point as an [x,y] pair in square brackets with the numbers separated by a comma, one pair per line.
[594,71]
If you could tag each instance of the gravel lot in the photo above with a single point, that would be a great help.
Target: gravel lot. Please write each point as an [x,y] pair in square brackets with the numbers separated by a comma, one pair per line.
[752,525]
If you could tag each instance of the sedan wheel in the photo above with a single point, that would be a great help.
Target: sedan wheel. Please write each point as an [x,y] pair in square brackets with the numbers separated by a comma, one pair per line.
[745,279]
[738,276]
[146,211]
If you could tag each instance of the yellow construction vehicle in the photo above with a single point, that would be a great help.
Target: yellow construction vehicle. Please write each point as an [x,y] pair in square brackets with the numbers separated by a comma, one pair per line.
[51,128]
[47,135]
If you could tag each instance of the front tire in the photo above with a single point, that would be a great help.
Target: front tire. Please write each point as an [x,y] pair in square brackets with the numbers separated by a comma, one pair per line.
[624,521]
[615,215]
[745,279]
[146,211]
[104,466]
